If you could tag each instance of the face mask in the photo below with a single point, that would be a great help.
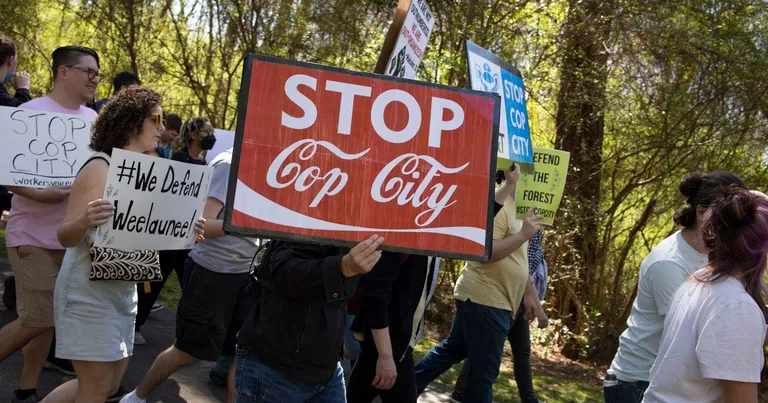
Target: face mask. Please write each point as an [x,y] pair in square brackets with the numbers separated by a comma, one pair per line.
[8,77]
[208,141]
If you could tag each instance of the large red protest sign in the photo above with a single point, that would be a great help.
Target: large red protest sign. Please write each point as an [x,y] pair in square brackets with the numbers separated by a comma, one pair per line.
[332,156]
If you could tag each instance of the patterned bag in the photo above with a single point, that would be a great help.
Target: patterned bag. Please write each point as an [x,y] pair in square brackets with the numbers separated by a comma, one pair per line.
[113,264]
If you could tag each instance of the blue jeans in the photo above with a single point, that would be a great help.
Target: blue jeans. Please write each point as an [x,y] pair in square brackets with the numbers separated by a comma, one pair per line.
[257,382]
[520,341]
[616,391]
[223,364]
[351,345]
[477,333]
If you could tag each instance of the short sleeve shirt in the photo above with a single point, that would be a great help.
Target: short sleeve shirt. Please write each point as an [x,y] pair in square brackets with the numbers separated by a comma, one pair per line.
[713,331]
[226,254]
[661,273]
[499,284]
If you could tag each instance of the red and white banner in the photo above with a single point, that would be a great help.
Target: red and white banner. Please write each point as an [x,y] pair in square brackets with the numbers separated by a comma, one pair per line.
[326,155]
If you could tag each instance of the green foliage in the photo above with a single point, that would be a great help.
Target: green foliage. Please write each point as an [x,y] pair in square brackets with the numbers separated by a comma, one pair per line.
[650,92]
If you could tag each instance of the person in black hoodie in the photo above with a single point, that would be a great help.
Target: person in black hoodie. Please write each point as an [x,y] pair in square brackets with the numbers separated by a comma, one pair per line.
[393,300]
[289,347]
[8,75]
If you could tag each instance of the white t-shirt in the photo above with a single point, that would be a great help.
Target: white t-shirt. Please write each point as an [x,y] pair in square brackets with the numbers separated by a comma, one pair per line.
[661,273]
[712,332]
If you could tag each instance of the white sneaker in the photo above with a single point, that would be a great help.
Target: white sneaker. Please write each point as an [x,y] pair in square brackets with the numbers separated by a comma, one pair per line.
[156,307]
[132,398]
[138,339]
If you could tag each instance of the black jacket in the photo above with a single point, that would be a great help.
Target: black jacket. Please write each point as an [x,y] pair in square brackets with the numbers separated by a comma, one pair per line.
[22,95]
[389,297]
[297,326]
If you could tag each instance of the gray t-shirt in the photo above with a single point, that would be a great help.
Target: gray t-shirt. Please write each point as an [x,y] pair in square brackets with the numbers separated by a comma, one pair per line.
[661,273]
[227,254]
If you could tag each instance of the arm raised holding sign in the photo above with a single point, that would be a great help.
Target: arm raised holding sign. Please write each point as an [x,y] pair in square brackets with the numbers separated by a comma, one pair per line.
[507,188]
[504,247]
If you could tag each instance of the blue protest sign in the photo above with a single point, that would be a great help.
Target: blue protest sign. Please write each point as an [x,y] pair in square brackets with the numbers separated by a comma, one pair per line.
[489,73]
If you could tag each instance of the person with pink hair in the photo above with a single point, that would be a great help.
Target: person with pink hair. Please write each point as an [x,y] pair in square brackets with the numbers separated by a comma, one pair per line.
[712,345]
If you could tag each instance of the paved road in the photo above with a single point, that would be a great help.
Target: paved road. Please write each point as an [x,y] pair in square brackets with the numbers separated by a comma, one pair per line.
[188,385]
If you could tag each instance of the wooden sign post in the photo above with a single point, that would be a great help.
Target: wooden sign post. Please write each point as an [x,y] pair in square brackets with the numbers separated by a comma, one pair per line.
[392,34]
[406,40]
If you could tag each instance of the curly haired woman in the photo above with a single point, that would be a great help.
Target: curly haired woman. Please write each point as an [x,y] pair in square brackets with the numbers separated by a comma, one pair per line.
[95,319]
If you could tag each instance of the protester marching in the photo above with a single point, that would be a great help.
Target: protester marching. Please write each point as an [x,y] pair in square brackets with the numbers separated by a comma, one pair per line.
[310,244]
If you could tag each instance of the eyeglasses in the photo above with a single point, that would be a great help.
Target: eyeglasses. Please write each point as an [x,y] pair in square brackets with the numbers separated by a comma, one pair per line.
[92,74]
[158,120]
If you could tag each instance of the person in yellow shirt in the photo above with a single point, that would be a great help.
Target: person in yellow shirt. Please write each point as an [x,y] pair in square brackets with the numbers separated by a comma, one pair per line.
[487,295]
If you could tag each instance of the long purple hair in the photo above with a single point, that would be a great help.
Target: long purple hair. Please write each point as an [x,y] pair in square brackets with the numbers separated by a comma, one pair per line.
[735,231]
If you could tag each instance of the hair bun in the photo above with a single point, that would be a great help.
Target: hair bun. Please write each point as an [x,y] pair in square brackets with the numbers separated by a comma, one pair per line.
[734,208]
[685,217]
[690,186]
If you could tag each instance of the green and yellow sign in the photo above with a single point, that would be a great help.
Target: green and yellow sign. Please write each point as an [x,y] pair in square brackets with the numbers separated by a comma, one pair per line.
[543,189]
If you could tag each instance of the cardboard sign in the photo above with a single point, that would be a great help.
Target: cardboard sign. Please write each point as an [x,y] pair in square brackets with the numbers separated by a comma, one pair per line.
[157,202]
[487,72]
[42,149]
[332,156]
[412,41]
[543,189]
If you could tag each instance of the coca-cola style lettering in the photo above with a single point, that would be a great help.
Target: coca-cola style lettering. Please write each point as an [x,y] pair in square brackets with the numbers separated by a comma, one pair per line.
[333,155]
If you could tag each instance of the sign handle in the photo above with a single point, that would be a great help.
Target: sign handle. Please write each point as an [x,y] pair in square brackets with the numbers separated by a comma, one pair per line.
[394,30]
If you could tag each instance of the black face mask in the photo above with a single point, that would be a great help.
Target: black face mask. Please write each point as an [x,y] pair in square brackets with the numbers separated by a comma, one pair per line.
[208,141]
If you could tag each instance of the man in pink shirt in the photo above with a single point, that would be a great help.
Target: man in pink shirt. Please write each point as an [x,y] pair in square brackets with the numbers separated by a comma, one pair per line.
[31,239]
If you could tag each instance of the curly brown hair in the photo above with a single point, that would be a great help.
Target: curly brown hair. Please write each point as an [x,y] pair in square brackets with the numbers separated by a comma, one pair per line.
[122,118]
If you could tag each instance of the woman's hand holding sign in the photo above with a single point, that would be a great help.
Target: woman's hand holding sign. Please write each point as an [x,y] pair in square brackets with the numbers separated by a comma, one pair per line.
[362,257]
[97,213]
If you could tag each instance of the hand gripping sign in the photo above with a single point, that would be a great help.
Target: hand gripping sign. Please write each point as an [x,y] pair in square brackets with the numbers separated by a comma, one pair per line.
[332,156]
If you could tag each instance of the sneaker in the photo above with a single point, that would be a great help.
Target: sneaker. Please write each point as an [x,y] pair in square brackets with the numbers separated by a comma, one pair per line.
[457,397]
[131,398]
[138,339]
[9,295]
[32,399]
[156,307]
[217,378]
[121,392]
[63,366]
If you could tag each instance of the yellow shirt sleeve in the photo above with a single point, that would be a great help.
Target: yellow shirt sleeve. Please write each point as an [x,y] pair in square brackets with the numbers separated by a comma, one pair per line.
[501,225]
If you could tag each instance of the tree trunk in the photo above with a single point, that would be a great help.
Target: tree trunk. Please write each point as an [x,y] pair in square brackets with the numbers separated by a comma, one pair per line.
[580,127]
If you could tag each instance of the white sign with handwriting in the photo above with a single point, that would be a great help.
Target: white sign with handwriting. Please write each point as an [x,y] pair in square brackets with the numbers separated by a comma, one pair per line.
[41,148]
[157,202]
